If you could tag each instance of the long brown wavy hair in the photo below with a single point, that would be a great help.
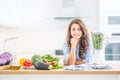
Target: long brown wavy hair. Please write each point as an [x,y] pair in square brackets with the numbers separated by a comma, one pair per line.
[84,38]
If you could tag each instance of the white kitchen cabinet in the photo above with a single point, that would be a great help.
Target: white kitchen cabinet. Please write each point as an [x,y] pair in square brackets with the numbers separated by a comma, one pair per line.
[26,13]
[11,13]
[39,12]
[86,8]
[19,13]
[109,24]
[78,8]
[108,8]
[109,5]
[40,8]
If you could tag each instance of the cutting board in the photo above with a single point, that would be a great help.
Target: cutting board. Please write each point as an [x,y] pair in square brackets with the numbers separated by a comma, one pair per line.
[4,67]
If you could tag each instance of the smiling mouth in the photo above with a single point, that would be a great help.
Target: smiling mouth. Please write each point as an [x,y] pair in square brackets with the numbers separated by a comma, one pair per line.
[75,35]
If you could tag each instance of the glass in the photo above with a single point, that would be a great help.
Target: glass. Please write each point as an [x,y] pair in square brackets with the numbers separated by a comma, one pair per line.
[97,38]
[14,65]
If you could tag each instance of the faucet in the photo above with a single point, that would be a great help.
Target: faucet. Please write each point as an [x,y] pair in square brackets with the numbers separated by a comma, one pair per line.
[6,40]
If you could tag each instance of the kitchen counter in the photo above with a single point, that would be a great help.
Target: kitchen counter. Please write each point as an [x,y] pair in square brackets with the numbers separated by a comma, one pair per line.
[61,74]
[33,71]
[59,71]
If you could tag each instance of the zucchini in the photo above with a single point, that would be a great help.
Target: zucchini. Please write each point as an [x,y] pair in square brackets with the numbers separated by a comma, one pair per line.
[42,66]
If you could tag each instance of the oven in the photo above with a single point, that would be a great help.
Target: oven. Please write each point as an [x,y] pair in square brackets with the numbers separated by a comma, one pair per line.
[111,21]
[112,46]
[110,25]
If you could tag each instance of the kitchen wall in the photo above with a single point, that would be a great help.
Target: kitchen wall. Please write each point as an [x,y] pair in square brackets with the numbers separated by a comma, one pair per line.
[34,24]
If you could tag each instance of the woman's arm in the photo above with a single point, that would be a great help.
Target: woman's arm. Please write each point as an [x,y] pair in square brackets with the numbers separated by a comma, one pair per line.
[77,62]
[72,55]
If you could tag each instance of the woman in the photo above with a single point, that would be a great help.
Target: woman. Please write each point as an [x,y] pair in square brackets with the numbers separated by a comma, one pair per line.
[78,48]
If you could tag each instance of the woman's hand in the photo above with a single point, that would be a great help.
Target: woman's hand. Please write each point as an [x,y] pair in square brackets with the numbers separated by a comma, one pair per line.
[72,55]
[77,62]
[73,42]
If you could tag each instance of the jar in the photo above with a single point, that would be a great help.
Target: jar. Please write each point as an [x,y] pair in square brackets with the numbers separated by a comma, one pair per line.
[14,65]
[98,40]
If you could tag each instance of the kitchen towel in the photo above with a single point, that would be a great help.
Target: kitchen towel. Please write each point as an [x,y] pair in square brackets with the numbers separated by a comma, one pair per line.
[89,66]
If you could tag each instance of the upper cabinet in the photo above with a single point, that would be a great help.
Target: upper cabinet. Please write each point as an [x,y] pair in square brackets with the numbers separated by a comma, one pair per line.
[78,8]
[10,13]
[86,8]
[39,12]
[109,5]
[20,13]
[67,8]
[41,8]
[109,14]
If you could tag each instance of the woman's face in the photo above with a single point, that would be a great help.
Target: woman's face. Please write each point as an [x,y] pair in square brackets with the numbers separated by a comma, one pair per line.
[76,31]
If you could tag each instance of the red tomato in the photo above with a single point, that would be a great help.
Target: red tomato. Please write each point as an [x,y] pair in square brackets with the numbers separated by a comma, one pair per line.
[27,63]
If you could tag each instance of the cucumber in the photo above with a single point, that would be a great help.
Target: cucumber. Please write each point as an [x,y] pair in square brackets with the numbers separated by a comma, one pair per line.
[42,66]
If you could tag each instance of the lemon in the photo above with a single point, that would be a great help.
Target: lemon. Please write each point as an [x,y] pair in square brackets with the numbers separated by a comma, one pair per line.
[22,60]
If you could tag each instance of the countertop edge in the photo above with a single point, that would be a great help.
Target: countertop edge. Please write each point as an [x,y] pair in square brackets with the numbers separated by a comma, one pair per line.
[42,72]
